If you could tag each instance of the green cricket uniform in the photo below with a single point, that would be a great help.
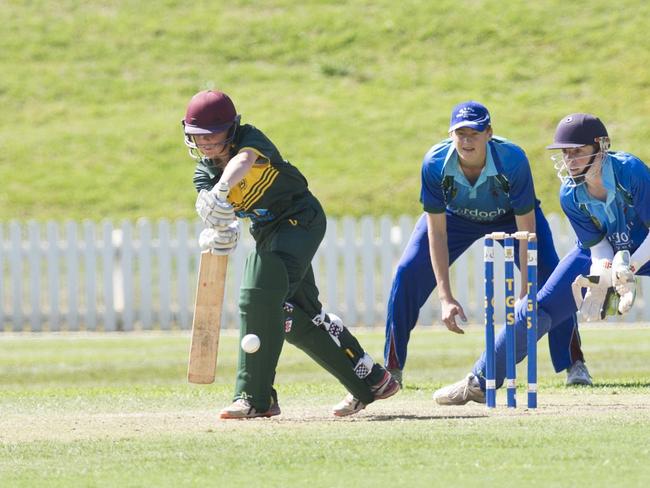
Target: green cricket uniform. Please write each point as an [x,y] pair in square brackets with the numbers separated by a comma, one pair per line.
[278,296]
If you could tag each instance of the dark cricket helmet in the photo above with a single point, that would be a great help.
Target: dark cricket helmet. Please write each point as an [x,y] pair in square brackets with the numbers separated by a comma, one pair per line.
[209,112]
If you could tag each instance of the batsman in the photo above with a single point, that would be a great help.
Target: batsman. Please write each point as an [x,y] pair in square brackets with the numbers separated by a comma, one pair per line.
[278,296]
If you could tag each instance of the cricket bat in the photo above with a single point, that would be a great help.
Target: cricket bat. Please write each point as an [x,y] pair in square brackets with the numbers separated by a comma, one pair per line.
[206,323]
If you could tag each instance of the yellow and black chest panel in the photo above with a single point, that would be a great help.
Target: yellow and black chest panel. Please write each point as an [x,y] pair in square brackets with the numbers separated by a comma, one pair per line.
[254,185]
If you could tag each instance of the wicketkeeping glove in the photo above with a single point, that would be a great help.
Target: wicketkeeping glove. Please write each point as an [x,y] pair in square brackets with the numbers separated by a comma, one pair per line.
[595,304]
[623,280]
[214,211]
[221,240]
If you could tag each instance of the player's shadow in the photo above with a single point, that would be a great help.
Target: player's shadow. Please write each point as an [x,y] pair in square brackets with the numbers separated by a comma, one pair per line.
[614,384]
[390,418]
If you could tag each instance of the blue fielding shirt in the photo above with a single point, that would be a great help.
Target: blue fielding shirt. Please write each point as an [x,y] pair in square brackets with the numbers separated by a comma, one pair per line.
[505,186]
[624,217]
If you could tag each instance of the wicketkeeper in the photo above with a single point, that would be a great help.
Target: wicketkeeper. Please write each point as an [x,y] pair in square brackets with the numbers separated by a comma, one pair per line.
[278,296]
[473,183]
[606,197]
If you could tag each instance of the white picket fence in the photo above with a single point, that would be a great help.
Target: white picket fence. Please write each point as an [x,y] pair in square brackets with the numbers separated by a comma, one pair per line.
[142,276]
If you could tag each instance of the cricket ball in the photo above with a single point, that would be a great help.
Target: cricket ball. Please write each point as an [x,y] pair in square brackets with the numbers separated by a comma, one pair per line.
[250,343]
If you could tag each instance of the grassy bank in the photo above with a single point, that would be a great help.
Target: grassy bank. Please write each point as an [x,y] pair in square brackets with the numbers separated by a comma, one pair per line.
[353,93]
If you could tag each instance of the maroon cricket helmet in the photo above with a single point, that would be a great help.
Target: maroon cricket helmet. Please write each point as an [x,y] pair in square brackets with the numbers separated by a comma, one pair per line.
[209,111]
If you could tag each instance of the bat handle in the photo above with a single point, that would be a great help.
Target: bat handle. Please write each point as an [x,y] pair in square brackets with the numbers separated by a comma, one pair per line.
[222,190]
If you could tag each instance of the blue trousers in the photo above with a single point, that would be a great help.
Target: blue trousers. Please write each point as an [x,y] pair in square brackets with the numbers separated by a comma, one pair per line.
[415,281]
[555,305]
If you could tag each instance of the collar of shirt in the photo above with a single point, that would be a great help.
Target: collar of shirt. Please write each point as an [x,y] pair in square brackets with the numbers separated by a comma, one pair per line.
[609,182]
[451,167]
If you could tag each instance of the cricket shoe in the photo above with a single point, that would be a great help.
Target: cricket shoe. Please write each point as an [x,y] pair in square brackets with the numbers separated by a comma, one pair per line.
[242,409]
[461,392]
[578,374]
[350,405]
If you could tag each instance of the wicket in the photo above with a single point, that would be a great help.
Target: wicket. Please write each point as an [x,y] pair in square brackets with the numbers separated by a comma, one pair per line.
[531,316]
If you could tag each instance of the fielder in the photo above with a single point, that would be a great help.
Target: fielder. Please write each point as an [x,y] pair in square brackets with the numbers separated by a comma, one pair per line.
[278,296]
[606,197]
[473,183]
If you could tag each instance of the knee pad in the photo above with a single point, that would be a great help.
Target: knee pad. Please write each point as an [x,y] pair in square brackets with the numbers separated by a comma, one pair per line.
[340,335]
[331,323]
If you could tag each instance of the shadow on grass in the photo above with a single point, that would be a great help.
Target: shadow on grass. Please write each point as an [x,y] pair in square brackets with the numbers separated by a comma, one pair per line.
[614,384]
[390,418]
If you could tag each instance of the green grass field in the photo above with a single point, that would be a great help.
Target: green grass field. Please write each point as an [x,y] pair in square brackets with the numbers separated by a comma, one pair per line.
[353,92]
[115,410]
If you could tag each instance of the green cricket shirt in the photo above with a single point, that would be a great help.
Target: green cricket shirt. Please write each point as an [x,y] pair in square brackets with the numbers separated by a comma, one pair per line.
[270,187]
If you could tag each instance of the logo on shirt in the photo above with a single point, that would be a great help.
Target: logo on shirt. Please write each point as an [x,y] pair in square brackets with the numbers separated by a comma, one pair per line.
[620,240]
[257,215]
[476,214]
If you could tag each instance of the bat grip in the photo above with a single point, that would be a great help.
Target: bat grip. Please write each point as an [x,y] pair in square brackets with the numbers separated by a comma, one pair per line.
[222,190]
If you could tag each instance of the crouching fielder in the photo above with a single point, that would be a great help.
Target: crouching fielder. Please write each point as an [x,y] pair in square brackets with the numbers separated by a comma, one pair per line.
[278,297]
[606,197]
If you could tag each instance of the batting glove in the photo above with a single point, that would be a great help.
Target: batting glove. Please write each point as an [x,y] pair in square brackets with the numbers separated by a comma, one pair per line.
[221,240]
[214,211]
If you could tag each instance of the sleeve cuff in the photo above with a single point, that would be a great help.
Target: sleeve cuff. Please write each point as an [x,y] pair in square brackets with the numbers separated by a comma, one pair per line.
[256,151]
[592,242]
[434,210]
[524,210]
